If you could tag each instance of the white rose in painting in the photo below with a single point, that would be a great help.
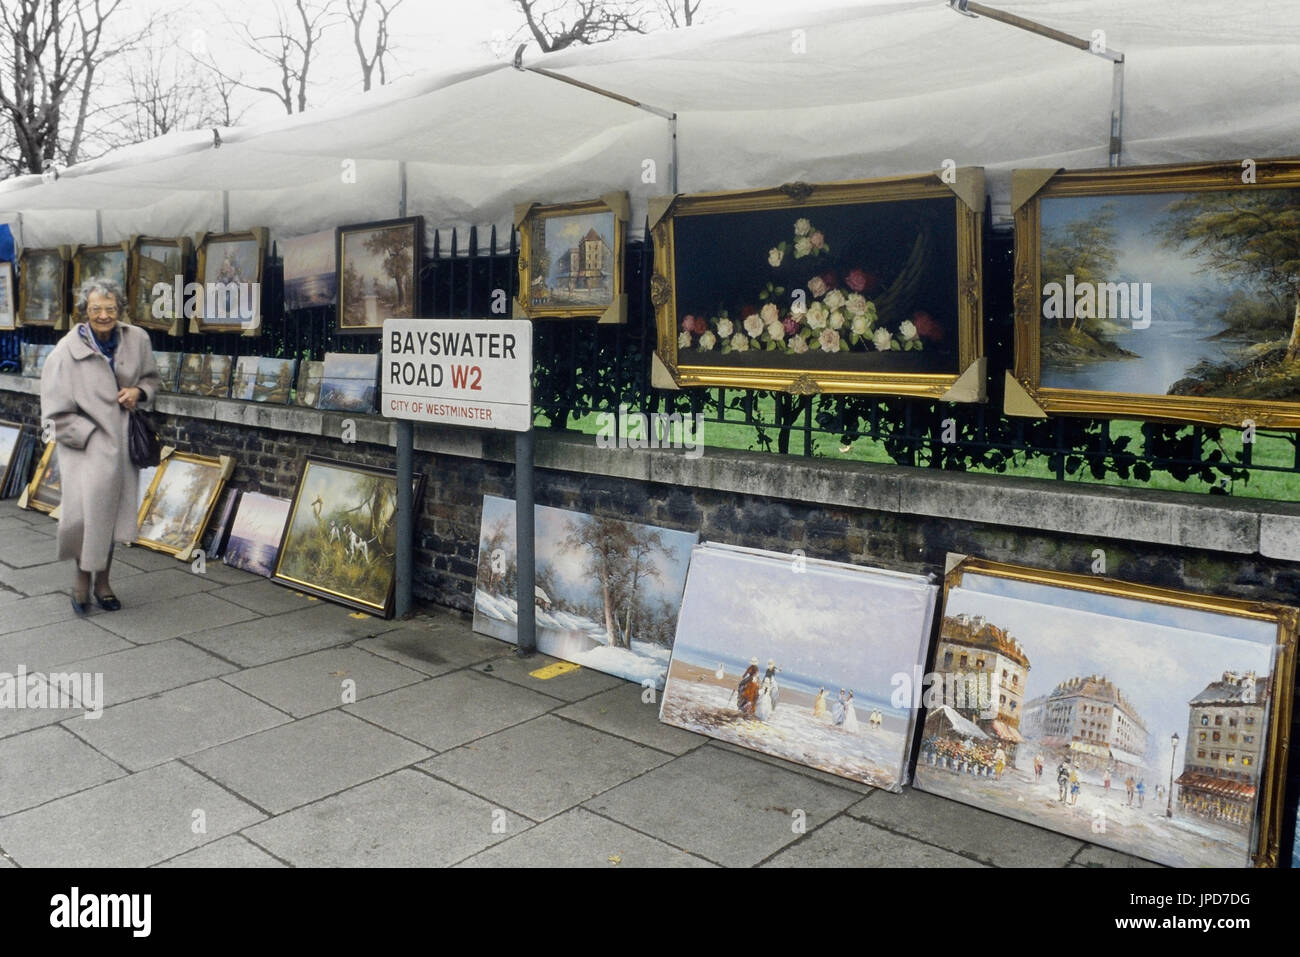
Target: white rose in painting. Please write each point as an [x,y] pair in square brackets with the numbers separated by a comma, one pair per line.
[802,227]
[837,319]
[739,342]
[770,314]
[882,339]
[775,331]
[684,341]
[774,257]
[816,286]
[906,330]
[817,315]
[834,299]
[798,345]
[754,324]
[829,340]
[856,304]
[725,328]
[708,341]
[798,306]
[860,326]
[802,247]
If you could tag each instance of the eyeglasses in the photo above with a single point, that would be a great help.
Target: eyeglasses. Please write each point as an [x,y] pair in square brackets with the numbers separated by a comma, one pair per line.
[102,311]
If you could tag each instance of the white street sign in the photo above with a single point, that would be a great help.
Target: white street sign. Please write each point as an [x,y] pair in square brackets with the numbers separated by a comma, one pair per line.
[471,372]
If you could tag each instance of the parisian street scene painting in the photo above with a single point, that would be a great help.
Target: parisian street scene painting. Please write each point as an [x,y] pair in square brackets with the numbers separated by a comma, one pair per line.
[573,260]
[1132,724]
[607,592]
[776,655]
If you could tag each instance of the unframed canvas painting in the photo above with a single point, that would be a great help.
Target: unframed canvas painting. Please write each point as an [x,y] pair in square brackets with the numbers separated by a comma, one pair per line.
[255,535]
[309,276]
[607,591]
[799,660]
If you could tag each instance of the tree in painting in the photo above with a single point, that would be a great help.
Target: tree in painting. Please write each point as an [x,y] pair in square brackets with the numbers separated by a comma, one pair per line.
[1084,248]
[395,246]
[620,559]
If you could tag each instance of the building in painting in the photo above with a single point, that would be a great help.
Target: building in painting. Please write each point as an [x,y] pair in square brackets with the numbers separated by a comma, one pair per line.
[1093,720]
[586,265]
[1225,742]
[980,660]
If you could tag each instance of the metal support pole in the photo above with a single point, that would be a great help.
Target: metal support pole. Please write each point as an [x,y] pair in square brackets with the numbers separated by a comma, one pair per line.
[99,227]
[525,584]
[225,210]
[405,517]
[1116,111]
[401,188]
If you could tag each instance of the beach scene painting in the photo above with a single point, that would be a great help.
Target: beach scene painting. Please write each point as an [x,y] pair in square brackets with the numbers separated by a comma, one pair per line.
[1139,725]
[607,591]
[798,659]
[255,534]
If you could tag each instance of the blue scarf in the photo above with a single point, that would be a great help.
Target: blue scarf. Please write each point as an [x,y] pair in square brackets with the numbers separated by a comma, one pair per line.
[107,349]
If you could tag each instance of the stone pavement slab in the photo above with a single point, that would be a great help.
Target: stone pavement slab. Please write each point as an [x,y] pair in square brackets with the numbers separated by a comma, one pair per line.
[266,597]
[276,637]
[25,547]
[149,669]
[52,646]
[146,559]
[435,650]
[51,577]
[232,851]
[150,731]
[621,711]
[846,842]
[306,760]
[45,764]
[17,720]
[722,806]
[442,713]
[25,614]
[972,831]
[1093,856]
[544,766]
[579,838]
[170,618]
[571,685]
[226,575]
[169,585]
[133,821]
[315,682]
[406,819]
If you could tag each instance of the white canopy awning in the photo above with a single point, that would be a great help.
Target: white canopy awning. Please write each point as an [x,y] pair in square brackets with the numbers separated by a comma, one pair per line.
[840,92]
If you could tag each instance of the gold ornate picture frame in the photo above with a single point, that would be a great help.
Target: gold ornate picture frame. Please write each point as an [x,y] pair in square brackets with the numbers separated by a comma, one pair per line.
[157,260]
[1070,699]
[230,267]
[180,500]
[571,259]
[43,288]
[870,286]
[45,492]
[1158,292]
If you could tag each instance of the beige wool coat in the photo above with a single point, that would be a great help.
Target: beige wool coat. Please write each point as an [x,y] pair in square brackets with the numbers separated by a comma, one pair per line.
[100,485]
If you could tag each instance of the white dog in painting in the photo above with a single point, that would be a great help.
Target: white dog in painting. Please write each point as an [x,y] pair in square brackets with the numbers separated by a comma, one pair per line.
[357,546]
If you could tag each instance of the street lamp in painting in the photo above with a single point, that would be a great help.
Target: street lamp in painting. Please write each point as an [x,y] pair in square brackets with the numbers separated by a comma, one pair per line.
[1169,808]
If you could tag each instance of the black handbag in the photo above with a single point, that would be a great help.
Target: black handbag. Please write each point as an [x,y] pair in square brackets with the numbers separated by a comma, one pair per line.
[142,440]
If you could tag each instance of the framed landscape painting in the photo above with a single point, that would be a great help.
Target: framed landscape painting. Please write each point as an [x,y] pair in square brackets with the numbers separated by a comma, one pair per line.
[242,377]
[230,269]
[110,262]
[307,389]
[349,382]
[254,537]
[203,373]
[607,591]
[46,490]
[8,300]
[42,288]
[32,356]
[571,260]
[773,653]
[180,501]
[1160,292]
[378,269]
[864,287]
[1147,720]
[340,541]
[156,260]
[310,279]
[169,369]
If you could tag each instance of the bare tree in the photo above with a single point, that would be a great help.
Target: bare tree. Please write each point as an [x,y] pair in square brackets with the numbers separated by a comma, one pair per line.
[371,51]
[166,94]
[679,13]
[556,24]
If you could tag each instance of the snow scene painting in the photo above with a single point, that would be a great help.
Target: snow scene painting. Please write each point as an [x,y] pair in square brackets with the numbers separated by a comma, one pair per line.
[798,659]
[607,591]
[1139,725]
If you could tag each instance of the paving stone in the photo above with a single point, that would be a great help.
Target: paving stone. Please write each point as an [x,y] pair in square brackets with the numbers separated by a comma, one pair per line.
[9,522]
[149,731]
[18,720]
[161,620]
[45,764]
[227,575]
[263,640]
[1093,856]
[824,776]
[146,559]
[232,851]
[972,831]
[571,686]
[306,760]
[445,712]
[149,669]
[406,819]
[51,646]
[847,842]
[7,595]
[25,547]
[435,650]
[152,587]
[132,821]
[266,597]
[621,711]
[28,613]
[720,805]
[578,838]
[51,577]
[545,766]
[314,683]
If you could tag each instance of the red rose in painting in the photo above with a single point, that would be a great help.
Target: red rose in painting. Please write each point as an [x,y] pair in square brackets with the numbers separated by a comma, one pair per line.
[830,279]
[861,280]
[694,324]
[790,324]
[747,311]
[926,327]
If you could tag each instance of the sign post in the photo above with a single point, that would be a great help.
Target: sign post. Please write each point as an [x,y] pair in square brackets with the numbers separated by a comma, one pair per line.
[475,373]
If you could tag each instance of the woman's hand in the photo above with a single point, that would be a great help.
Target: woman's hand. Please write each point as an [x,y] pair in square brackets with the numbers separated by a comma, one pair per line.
[128,397]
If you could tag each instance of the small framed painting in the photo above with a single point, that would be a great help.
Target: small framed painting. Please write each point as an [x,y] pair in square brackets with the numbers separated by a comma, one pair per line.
[10,432]
[214,538]
[307,390]
[1072,699]
[857,287]
[340,541]
[46,490]
[378,268]
[230,273]
[32,357]
[242,377]
[157,282]
[180,501]
[205,374]
[8,303]
[169,368]
[1159,292]
[349,382]
[310,279]
[111,262]
[571,260]
[254,538]
[43,288]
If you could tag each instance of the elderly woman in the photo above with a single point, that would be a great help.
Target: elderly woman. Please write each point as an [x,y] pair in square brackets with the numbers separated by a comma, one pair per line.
[96,374]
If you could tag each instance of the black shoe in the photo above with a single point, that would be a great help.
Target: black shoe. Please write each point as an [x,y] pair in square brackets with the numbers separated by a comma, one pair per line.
[108,602]
[80,607]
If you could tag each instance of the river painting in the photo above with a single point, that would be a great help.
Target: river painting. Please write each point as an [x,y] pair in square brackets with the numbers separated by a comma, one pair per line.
[255,534]
[309,276]
[1174,293]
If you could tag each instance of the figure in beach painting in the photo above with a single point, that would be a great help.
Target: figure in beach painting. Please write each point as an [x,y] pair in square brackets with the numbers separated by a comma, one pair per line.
[740,610]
